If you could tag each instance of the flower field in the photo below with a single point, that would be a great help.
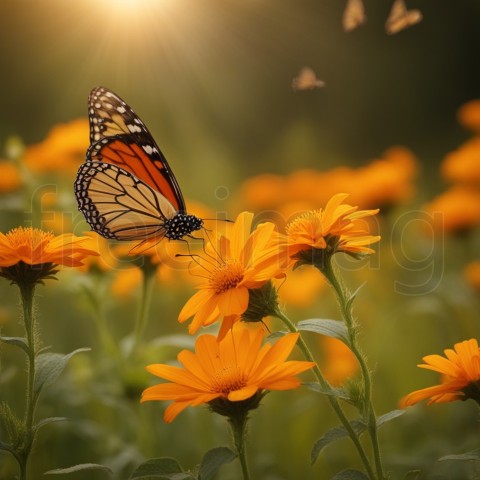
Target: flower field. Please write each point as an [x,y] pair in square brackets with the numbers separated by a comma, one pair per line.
[256,306]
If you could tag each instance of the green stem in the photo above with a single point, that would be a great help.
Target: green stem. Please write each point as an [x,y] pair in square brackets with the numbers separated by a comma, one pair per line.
[239,426]
[27,291]
[345,302]
[333,401]
[148,278]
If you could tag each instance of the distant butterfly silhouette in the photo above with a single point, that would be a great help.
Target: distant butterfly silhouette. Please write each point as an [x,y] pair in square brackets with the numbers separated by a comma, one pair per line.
[307,80]
[125,189]
[401,18]
[353,15]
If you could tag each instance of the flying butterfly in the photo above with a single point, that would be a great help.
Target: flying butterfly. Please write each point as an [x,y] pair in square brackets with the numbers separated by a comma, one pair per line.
[353,15]
[306,80]
[126,189]
[401,18]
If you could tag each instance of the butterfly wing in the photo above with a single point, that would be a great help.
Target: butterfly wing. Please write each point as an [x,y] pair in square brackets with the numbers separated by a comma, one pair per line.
[353,15]
[118,205]
[119,137]
[401,18]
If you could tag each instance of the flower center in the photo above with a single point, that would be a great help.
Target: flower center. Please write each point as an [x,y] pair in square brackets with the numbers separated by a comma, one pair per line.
[30,237]
[226,276]
[305,224]
[228,379]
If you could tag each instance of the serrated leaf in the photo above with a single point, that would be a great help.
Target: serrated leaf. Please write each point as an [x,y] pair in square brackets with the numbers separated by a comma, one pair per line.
[79,468]
[49,420]
[335,433]
[213,460]
[333,392]
[325,326]
[20,342]
[350,474]
[474,455]
[50,366]
[387,417]
[163,467]
[412,475]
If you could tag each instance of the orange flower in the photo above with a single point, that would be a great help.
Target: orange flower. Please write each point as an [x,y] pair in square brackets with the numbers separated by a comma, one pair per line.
[469,115]
[233,369]
[35,247]
[456,210]
[463,164]
[460,372]
[233,263]
[10,178]
[301,287]
[63,149]
[336,228]
[472,274]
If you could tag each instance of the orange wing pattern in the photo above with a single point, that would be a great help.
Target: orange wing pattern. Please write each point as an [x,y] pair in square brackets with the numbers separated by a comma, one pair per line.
[119,137]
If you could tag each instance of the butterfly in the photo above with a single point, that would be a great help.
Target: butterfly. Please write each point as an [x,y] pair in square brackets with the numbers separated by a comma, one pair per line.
[353,15]
[400,18]
[306,80]
[126,189]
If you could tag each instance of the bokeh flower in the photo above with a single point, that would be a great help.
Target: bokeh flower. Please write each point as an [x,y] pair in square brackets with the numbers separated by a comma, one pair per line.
[463,164]
[338,227]
[469,115]
[62,150]
[33,252]
[233,263]
[231,370]
[460,370]
[10,177]
[456,211]
[472,274]
[339,362]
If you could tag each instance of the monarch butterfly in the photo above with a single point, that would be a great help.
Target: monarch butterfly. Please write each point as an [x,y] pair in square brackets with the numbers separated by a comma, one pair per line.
[353,15]
[400,18]
[126,189]
[307,80]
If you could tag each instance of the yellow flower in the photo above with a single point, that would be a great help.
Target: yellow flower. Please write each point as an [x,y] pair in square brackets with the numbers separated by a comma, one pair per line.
[233,369]
[460,372]
[63,149]
[233,263]
[456,210]
[336,228]
[463,165]
[35,247]
[10,178]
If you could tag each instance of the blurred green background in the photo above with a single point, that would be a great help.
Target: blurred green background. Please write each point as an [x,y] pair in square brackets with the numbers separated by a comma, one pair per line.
[212,81]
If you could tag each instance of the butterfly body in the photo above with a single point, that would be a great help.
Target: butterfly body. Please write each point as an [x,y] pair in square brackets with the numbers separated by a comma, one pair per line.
[126,189]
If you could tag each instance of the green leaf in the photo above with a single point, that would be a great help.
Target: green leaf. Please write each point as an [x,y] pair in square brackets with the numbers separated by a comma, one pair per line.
[389,416]
[333,392]
[412,475]
[335,433]
[474,455]
[324,326]
[50,366]
[350,474]
[164,467]
[79,468]
[352,296]
[47,421]
[20,342]
[213,460]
